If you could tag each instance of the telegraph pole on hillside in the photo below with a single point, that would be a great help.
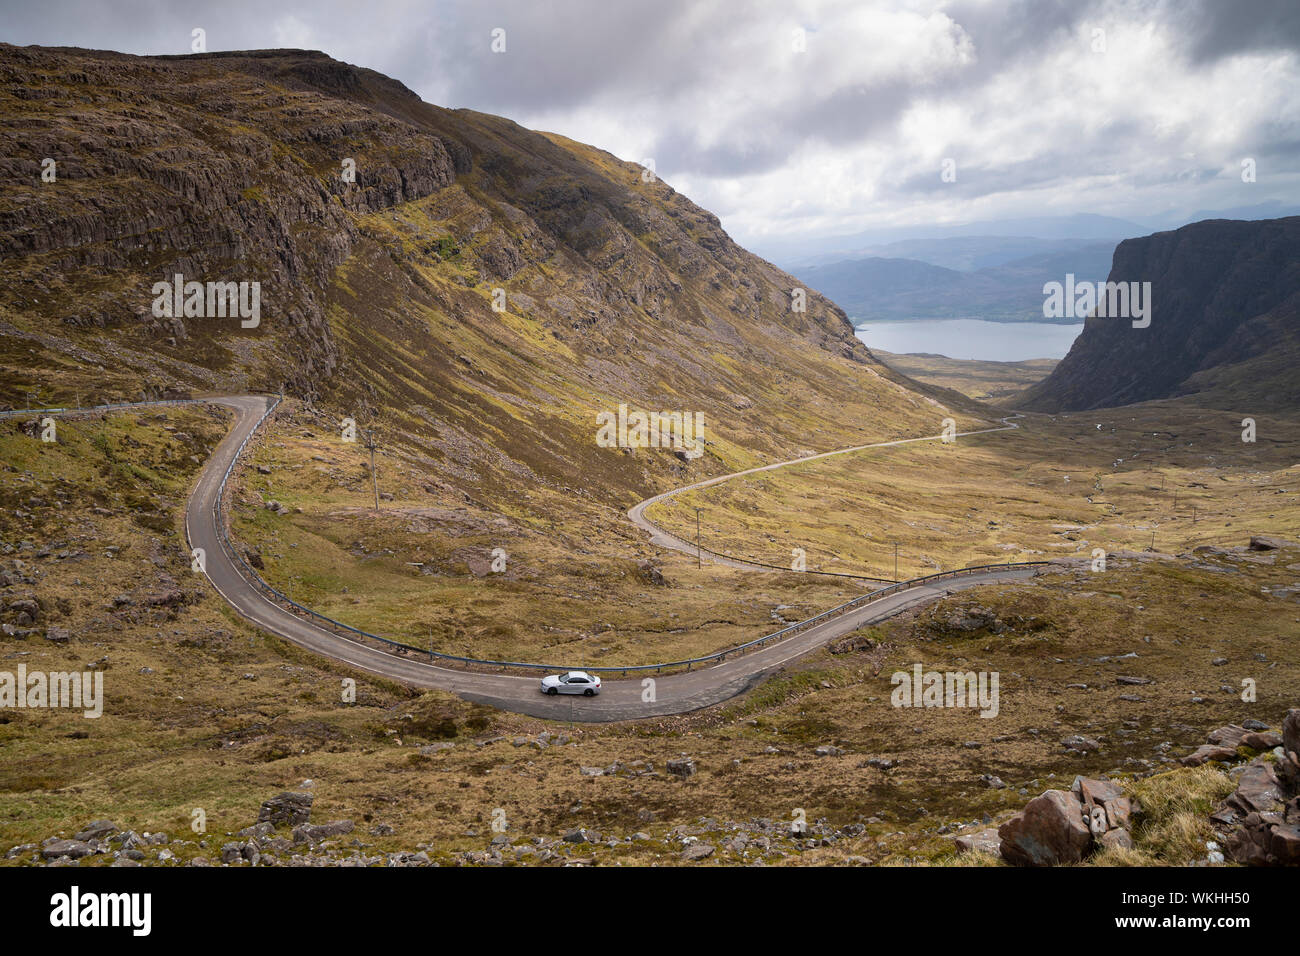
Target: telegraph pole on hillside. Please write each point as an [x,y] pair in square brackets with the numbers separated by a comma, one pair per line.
[699,555]
[374,481]
[895,562]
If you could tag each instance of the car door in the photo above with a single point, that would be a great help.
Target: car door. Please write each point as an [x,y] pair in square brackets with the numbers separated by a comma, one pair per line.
[576,685]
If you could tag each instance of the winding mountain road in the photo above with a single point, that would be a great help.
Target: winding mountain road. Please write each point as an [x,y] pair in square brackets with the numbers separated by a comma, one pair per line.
[619,699]
[665,539]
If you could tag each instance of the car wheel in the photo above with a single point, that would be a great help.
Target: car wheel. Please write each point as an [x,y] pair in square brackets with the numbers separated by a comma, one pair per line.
[588,693]
[552,691]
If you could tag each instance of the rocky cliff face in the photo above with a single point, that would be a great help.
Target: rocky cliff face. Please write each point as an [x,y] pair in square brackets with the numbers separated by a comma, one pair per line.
[485,287]
[1225,324]
[198,166]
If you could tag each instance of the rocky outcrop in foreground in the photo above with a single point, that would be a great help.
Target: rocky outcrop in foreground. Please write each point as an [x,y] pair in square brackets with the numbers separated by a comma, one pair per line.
[1262,815]
[1065,826]
[1264,811]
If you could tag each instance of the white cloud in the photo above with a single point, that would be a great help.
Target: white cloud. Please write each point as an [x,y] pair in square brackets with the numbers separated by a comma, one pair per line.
[846,135]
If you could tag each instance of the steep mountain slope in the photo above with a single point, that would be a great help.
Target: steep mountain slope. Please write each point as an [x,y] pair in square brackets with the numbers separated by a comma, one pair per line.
[1225,324]
[377,297]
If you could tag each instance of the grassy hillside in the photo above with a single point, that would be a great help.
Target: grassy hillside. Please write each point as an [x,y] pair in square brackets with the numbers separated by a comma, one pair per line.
[205,713]
[477,295]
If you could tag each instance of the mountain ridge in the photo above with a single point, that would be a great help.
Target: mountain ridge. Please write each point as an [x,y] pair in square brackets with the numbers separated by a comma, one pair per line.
[895,290]
[1225,328]
[380,297]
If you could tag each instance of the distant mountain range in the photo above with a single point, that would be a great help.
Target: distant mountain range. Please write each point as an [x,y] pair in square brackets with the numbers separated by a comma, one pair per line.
[1080,228]
[1225,324]
[993,270]
[1003,281]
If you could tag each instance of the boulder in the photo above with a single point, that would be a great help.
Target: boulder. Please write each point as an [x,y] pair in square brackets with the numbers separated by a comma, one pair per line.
[25,606]
[74,849]
[681,768]
[985,841]
[1095,793]
[1207,752]
[168,597]
[697,851]
[288,808]
[97,830]
[1116,838]
[650,574]
[1080,743]
[1257,790]
[1249,846]
[315,833]
[1262,740]
[1291,730]
[1118,813]
[258,831]
[1267,542]
[1284,845]
[1050,830]
[1229,736]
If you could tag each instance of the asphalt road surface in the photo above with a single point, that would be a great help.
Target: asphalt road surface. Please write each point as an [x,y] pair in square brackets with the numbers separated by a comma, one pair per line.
[620,699]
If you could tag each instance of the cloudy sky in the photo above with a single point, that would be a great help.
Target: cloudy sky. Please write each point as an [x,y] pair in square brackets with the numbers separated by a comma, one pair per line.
[823,117]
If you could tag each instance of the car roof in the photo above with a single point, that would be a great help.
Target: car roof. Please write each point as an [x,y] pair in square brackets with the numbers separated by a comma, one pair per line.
[578,674]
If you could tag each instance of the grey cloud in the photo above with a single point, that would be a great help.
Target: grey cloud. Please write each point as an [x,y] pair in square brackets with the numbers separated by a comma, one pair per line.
[1221,28]
[684,77]
[763,140]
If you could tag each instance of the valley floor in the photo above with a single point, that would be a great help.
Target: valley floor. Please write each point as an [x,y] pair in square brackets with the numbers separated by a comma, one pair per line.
[980,380]
[206,714]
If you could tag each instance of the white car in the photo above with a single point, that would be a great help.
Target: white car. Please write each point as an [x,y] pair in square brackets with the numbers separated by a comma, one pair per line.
[574,682]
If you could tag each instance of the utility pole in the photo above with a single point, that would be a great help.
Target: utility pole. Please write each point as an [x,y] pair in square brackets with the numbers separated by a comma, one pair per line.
[699,555]
[1153,541]
[895,562]
[374,481]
